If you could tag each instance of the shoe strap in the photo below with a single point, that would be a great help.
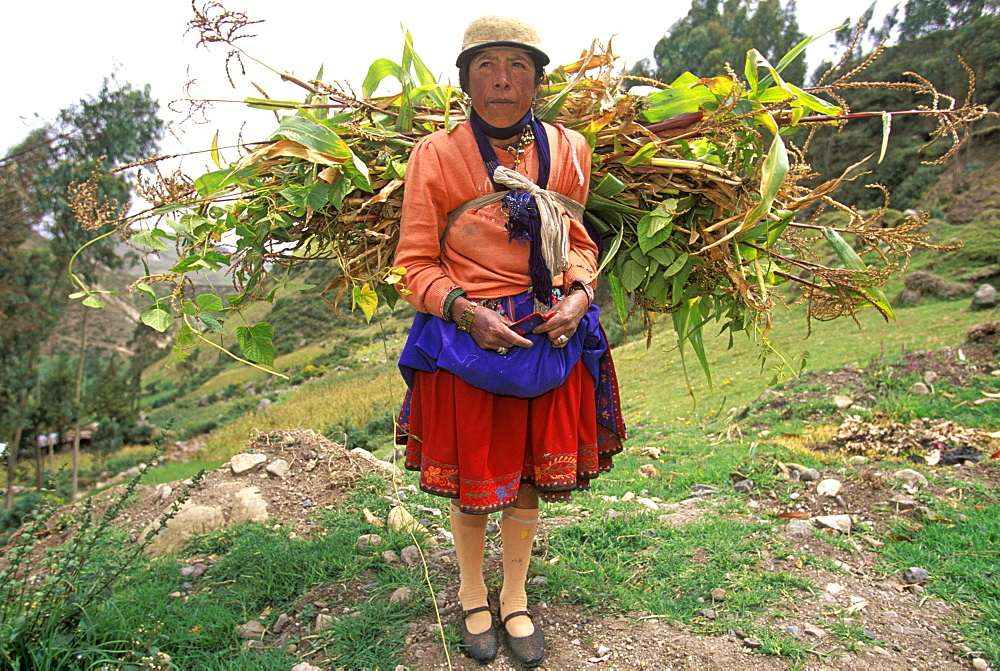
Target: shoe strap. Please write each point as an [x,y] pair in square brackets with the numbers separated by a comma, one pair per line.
[478,609]
[516,613]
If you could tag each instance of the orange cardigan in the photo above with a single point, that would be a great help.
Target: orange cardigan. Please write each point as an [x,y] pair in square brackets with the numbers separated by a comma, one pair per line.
[445,171]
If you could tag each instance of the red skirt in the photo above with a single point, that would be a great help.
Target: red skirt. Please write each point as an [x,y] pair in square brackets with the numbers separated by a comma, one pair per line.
[478,447]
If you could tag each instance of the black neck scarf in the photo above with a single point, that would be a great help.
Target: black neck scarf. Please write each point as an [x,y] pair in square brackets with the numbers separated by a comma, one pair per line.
[523,222]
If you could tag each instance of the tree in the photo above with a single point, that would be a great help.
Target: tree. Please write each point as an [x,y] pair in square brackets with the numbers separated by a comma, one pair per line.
[118,125]
[715,33]
[923,17]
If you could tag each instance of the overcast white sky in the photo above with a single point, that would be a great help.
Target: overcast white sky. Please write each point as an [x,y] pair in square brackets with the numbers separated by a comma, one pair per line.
[56,52]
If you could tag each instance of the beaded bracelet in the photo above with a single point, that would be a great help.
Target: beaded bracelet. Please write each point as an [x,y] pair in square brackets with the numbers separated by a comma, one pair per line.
[449,300]
[465,321]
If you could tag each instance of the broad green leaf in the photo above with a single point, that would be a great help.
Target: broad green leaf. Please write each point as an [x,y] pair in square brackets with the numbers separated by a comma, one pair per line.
[209,302]
[186,335]
[671,103]
[654,229]
[632,275]
[612,250]
[316,136]
[676,266]
[93,302]
[750,70]
[772,174]
[145,288]
[367,299]
[609,187]
[157,318]
[378,71]
[663,255]
[212,182]
[149,239]
[256,342]
[618,296]
[646,152]
[795,52]
[212,323]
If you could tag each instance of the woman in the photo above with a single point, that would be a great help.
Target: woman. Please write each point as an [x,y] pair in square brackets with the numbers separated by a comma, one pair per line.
[492,232]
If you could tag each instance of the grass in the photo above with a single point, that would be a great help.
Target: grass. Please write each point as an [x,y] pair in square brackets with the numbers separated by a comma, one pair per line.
[961,559]
[604,563]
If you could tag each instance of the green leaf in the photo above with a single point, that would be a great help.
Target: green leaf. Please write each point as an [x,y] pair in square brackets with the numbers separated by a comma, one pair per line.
[378,71]
[216,157]
[150,239]
[646,152]
[654,229]
[632,275]
[146,289]
[609,187]
[663,255]
[618,296]
[773,173]
[93,302]
[212,323]
[256,342]
[209,302]
[673,102]
[318,137]
[157,318]
[367,299]
[676,266]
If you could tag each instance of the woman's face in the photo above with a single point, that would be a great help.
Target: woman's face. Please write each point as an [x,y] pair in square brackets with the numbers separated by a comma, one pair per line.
[502,85]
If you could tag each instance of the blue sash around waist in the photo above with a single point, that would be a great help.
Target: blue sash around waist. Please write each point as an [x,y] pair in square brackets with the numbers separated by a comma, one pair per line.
[524,371]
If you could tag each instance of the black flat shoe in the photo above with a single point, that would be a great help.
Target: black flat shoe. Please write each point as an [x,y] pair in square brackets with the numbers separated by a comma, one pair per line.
[480,647]
[530,649]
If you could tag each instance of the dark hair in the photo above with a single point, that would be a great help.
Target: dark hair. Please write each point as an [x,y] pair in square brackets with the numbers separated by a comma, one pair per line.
[463,71]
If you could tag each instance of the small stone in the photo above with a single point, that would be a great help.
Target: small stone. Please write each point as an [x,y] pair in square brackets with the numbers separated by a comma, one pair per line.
[390,557]
[857,460]
[323,621]
[252,629]
[813,630]
[752,643]
[793,631]
[709,614]
[613,514]
[841,523]
[280,623]
[834,588]
[648,471]
[243,462]
[980,663]
[843,402]
[602,650]
[880,651]
[367,540]
[194,571]
[539,580]
[175,595]
[648,503]
[738,633]
[743,486]
[410,555]
[401,595]
[828,487]
[701,490]
[904,502]
[801,529]
[306,503]
[917,590]
[278,468]
[718,594]
[910,477]
[809,475]
[919,389]
[930,377]
[305,666]
[914,575]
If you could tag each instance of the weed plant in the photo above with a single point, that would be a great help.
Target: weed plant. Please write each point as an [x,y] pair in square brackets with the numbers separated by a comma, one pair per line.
[46,594]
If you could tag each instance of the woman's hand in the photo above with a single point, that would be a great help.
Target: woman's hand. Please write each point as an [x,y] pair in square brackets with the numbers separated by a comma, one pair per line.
[489,329]
[566,318]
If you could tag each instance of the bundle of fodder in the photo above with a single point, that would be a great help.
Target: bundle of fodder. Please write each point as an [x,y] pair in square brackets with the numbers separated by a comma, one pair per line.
[694,192]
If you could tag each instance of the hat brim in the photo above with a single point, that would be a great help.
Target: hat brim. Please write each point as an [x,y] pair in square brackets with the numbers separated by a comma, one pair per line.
[539,57]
